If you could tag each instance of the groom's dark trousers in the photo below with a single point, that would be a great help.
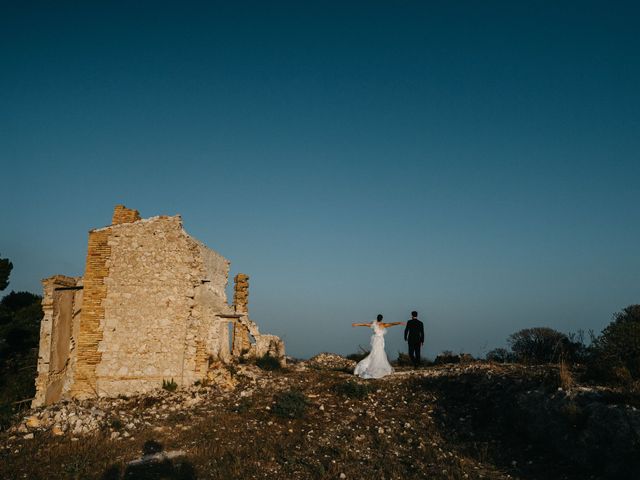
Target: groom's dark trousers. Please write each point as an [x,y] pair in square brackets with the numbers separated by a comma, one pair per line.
[414,353]
[414,335]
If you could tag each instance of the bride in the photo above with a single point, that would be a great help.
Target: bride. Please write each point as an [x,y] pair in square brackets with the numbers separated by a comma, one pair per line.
[376,364]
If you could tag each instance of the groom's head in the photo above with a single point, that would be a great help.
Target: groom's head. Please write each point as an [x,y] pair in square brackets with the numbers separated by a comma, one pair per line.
[414,314]
[379,317]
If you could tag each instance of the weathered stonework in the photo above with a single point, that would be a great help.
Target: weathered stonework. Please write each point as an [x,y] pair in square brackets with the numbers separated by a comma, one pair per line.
[241,293]
[153,308]
[59,329]
[122,214]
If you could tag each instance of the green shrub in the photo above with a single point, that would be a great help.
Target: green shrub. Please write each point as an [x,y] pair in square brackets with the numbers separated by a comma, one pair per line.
[169,386]
[290,404]
[353,389]
[20,316]
[116,423]
[267,362]
[615,355]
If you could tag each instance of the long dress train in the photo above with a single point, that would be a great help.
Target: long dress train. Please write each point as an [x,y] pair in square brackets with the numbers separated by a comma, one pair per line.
[376,364]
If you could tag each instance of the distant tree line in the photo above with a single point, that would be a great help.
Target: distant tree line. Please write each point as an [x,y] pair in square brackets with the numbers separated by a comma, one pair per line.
[20,316]
[611,357]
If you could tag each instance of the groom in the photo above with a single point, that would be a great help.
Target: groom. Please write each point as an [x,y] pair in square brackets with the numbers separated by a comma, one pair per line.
[414,335]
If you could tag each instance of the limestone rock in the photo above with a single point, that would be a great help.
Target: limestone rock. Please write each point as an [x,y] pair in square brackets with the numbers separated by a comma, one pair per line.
[331,361]
[220,376]
[33,422]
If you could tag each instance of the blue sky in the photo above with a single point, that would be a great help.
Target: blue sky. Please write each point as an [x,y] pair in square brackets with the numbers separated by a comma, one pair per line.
[476,161]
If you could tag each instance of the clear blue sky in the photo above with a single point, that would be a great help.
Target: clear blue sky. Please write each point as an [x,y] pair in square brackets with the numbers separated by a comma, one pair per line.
[476,161]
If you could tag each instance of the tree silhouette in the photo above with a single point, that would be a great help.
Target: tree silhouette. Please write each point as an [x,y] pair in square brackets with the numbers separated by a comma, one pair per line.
[538,345]
[617,350]
[5,270]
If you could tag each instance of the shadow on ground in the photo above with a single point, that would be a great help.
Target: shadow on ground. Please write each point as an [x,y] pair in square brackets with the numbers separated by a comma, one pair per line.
[154,464]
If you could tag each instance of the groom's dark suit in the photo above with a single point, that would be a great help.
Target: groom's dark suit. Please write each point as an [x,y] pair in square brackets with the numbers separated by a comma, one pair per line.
[414,334]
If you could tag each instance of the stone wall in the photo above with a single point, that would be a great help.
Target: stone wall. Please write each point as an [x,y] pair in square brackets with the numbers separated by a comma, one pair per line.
[149,331]
[61,305]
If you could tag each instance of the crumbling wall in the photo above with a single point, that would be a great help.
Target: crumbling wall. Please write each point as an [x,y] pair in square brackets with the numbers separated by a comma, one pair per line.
[122,214]
[207,339]
[154,308]
[61,305]
[242,339]
[241,293]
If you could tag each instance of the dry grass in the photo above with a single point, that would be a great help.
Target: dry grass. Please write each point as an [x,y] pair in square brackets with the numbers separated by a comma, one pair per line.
[566,379]
[393,432]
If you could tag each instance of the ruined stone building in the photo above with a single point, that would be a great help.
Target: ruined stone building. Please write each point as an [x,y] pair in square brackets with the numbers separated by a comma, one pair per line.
[151,306]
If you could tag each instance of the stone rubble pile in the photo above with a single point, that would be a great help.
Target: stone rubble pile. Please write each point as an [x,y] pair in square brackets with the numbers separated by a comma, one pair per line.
[121,417]
[331,361]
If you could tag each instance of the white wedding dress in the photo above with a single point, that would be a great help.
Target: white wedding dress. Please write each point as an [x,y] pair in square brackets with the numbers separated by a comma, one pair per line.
[376,364]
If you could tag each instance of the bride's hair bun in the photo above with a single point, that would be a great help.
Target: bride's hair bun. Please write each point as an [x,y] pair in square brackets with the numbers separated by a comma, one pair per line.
[379,317]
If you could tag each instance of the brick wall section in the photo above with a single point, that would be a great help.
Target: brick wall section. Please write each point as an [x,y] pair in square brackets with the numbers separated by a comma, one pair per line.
[202,359]
[241,293]
[95,291]
[122,214]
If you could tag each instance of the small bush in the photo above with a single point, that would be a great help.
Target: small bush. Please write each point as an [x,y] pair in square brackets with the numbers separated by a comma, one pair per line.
[574,415]
[244,405]
[290,404]
[170,386]
[267,362]
[403,360]
[356,357]
[500,355]
[353,389]
[447,356]
[116,423]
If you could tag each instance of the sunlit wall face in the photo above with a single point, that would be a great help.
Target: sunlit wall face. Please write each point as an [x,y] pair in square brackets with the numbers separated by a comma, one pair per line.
[477,163]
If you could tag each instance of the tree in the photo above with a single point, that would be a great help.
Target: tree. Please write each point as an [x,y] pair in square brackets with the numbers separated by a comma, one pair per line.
[20,315]
[538,345]
[616,352]
[5,270]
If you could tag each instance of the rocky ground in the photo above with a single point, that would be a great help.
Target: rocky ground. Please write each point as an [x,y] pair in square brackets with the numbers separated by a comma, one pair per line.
[314,420]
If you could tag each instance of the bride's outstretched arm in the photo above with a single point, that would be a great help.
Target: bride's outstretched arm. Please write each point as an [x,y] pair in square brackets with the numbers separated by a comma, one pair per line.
[360,324]
[391,324]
